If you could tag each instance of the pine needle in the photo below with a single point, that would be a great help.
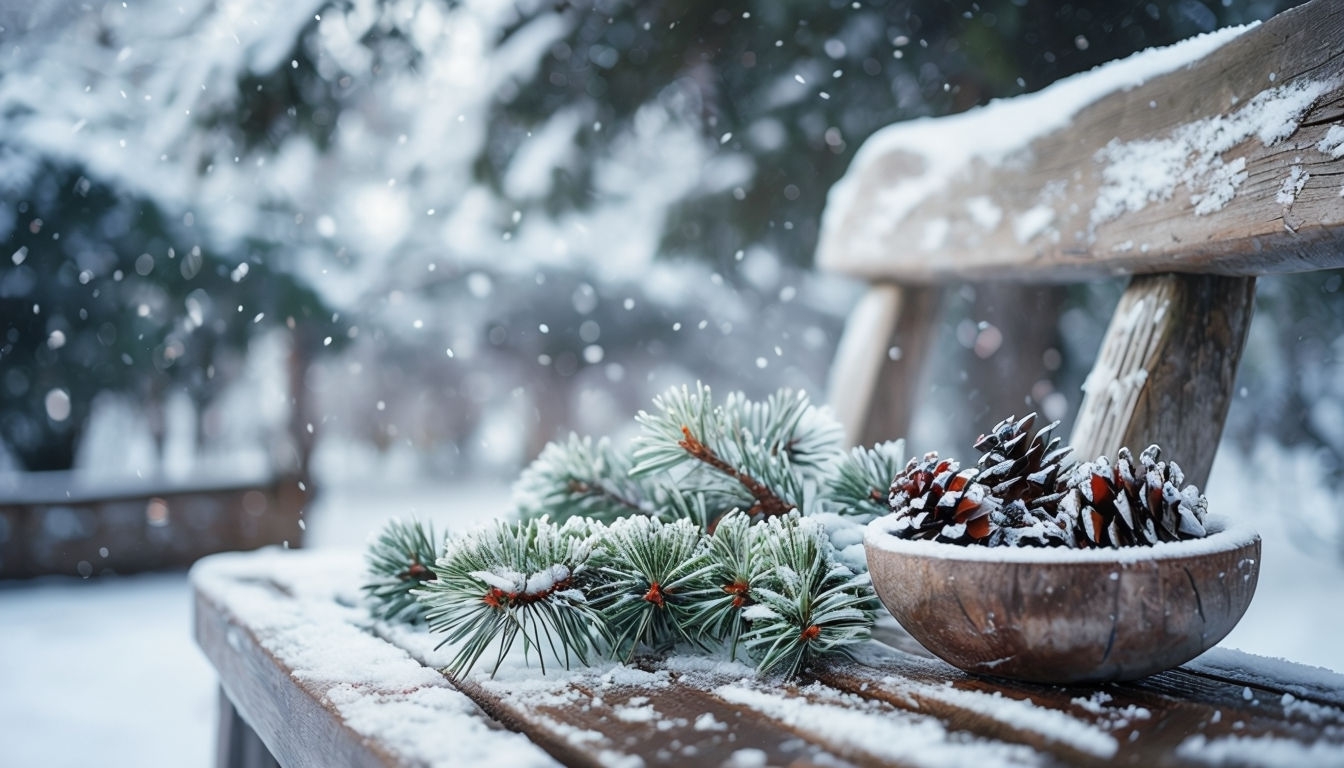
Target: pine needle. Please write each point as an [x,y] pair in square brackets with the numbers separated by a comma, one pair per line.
[582,478]
[808,604]
[648,571]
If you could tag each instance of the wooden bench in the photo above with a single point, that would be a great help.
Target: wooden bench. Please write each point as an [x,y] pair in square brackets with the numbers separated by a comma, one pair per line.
[309,679]
[63,523]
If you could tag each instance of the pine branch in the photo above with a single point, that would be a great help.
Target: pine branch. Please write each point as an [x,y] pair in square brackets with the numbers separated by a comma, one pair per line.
[861,481]
[397,563]
[679,558]
[766,503]
[582,478]
[647,572]
[758,455]
[788,424]
[809,604]
[512,580]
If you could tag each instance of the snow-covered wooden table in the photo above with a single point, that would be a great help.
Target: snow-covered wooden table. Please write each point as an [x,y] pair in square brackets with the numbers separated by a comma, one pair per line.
[308,677]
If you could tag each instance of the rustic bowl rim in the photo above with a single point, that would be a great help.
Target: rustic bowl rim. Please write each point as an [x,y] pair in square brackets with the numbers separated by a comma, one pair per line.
[1223,536]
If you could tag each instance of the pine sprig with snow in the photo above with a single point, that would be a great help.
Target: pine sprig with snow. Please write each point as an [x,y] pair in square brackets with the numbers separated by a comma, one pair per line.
[701,536]
[808,604]
[582,478]
[398,562]
[788,424]
[508,581]
[646,573]
[724,592]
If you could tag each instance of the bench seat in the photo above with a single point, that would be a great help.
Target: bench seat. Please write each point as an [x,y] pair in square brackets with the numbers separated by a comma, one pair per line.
[309,679]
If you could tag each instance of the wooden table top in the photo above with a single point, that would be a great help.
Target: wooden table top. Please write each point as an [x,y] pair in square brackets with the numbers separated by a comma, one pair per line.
[323,684]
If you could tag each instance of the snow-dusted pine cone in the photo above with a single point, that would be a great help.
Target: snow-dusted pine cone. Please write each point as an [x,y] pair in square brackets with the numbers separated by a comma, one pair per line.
[1018,467]
[1122,504]
[1016,525]
[932,500]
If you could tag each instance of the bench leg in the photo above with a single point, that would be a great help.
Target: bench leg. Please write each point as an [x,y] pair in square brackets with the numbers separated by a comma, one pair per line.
[237,745]
[1166,369]
[870,393]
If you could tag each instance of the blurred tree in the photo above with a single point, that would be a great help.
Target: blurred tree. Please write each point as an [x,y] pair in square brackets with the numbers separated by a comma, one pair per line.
[105,291]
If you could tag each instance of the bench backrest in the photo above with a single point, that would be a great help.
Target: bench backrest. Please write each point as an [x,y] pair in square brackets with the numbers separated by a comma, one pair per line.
[1201,165]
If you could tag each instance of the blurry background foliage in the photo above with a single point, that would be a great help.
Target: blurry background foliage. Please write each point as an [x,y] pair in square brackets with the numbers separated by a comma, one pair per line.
[474,225]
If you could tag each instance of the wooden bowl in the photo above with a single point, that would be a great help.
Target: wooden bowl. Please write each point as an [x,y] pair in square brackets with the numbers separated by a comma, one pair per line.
[1066,616]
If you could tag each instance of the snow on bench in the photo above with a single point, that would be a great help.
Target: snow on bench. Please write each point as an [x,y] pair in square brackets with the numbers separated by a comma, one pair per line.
[320,683]
[1219,154]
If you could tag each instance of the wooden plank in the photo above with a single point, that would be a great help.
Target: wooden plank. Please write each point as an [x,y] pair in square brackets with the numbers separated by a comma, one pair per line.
[1187,172]
[597,720]
[1166,370]
[289,638]
[1154,721]
[860,356]
[295,664]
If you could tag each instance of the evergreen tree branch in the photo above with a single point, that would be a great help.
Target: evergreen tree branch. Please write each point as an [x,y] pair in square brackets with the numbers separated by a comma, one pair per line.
[647,573]
[511,581]
[809,605]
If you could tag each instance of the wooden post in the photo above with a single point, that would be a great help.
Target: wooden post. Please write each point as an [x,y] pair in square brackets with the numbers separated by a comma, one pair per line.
[1166,369]
[872,394]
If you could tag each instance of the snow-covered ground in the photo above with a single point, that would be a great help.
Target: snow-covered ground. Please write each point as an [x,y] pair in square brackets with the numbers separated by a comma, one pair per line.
[106,673]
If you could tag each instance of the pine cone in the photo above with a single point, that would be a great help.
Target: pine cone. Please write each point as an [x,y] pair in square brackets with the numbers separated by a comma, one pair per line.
[932,500]
[1117,506]
[1017,526]
[1018,469]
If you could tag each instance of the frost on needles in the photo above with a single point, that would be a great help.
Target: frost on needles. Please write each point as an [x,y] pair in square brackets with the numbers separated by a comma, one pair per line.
[733,526]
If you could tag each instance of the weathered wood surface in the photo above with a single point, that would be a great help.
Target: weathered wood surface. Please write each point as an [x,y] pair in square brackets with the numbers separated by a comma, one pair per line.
[294,662]
[1166,369]
[892,706]
[1079,202]
[237,745]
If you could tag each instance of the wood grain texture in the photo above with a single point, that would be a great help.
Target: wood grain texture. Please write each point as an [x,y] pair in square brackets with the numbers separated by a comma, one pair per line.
[1166,369]
[888,707]
[1058,201]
